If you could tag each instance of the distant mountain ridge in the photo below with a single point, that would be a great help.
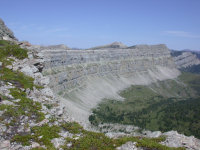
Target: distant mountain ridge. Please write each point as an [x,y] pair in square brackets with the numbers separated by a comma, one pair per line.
[187,60]
[112,45]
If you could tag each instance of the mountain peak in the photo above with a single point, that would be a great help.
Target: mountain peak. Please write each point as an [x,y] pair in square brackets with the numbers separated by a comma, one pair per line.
[112,45]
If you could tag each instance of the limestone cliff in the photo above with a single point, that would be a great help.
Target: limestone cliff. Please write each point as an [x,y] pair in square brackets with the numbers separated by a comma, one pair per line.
[84,77]
[186,59]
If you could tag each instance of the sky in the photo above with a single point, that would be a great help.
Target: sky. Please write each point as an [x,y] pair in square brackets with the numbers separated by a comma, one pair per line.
[89,23]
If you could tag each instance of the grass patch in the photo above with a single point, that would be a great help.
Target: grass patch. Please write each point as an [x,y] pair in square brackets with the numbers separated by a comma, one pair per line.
[98,141]
[49,106]
[17,78]
[45,134]
[22,139]
[72,127]
[25,106]
[8,49]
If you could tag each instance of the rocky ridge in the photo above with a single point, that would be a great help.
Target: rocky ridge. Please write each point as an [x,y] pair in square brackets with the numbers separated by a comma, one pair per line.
[40,93]
[5,32]
[186,59]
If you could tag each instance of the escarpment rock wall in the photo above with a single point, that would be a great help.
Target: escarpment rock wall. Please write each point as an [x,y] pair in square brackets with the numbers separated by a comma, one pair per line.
[69,68]
[84,77]
[186,59]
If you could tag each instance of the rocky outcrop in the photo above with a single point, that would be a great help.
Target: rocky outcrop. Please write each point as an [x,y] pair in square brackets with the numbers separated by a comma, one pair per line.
[186,59]
[174,139]
[5,32]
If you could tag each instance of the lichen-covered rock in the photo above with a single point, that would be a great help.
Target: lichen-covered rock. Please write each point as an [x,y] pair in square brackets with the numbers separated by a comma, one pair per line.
[35,145]
[58,142]
[5,145]
[129,146]
[174,139]
[0,65]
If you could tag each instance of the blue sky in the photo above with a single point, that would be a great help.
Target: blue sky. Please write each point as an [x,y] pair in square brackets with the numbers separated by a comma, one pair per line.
[88,23]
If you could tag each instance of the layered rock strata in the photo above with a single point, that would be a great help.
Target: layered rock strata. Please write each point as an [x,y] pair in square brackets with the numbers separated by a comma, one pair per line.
[84,77]
[186,59]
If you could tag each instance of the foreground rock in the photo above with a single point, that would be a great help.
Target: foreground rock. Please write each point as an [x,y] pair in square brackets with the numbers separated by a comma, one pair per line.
[175,139]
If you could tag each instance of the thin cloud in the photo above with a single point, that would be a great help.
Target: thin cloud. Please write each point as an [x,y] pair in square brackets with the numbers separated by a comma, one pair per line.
[181,34]
[56,30]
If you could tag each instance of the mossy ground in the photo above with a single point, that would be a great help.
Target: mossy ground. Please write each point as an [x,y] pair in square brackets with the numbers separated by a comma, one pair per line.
[98,141]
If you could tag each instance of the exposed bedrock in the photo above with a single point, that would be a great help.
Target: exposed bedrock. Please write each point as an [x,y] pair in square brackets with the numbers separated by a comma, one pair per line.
[5,32]
[83,78]
[186,59]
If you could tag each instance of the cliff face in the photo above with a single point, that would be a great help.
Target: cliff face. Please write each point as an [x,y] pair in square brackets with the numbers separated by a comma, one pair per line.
[5,32]
[186,59]
[84,77]
[69,69]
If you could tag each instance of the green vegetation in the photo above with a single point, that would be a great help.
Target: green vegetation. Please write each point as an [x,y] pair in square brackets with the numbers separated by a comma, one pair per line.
[176,109]
[49,106]
[192,69]
[87,140]
[47,132]
[8,49]
[43,135]
[23,139]
[98,141]
[192,80]
[72,127]
[17,78]
[25,107]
